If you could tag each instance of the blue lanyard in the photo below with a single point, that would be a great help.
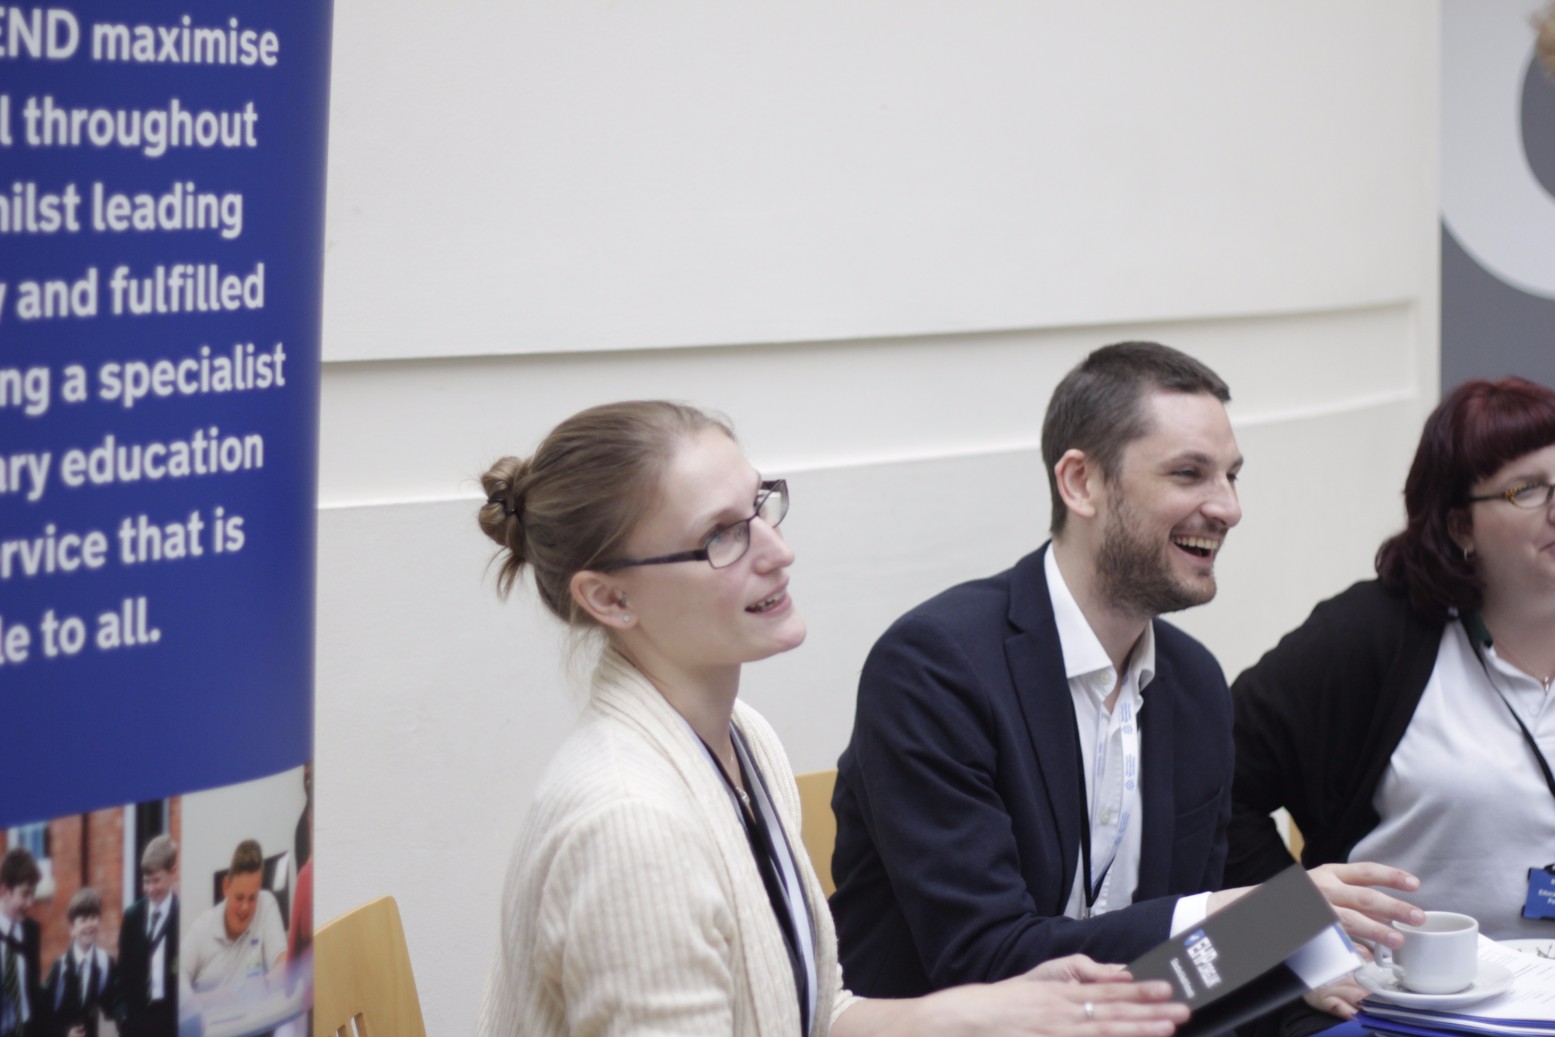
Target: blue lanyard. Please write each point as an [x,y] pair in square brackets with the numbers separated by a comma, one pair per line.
[1130,740]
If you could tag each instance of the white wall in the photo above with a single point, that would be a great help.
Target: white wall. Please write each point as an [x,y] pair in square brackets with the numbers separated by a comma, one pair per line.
[875,236]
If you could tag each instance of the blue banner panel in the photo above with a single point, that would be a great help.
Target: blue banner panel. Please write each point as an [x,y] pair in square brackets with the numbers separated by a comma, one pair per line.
[161,249]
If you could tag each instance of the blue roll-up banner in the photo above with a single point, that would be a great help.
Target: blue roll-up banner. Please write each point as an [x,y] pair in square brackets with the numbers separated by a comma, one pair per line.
[161,251]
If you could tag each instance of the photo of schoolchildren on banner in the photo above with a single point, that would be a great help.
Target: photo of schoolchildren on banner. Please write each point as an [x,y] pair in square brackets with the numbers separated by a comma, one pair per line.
[169,918]
[161,293]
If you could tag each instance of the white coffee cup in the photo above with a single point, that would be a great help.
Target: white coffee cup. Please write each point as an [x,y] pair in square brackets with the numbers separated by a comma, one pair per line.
[1439,957]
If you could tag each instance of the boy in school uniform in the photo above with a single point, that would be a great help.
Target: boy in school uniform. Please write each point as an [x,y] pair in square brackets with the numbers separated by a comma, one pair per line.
[84,981]
[20,942]
[147,1005]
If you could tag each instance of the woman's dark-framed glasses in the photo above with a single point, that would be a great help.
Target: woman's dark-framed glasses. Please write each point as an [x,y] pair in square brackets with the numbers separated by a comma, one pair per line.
[1530,496]
[726,544]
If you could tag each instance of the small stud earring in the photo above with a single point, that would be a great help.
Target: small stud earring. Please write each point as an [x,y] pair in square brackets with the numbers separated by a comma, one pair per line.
[1468,554]
[626,617]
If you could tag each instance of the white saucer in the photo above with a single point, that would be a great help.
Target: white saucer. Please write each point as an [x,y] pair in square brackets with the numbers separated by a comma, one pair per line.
[1493,979]
[1537,948]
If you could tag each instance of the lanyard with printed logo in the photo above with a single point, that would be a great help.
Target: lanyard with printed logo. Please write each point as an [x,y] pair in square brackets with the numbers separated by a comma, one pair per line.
[1129,736]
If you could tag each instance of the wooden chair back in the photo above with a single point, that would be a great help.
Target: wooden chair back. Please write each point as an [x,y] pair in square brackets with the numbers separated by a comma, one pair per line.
[362,982]
[1293,838]
[818,826]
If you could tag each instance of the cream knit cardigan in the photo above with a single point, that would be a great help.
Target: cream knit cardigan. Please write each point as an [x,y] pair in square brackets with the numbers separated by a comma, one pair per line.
[632,904]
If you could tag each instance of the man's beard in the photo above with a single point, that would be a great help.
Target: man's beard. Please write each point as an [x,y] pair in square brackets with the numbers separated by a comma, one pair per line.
[1134,574]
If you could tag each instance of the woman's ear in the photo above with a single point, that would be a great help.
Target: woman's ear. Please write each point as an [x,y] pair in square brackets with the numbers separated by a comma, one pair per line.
[598,595]
[1079,483]
[1461,528]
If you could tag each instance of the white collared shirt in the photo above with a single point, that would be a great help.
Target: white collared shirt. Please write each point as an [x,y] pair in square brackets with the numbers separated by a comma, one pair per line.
[1463,803]
[1108,748]
[156,919]
[90,965]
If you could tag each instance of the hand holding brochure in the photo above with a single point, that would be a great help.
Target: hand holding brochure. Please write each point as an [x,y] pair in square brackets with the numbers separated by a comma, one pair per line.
[1264,950]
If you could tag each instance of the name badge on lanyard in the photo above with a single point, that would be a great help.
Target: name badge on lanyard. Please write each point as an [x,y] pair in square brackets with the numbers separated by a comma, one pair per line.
[1540,902]
[1541,893]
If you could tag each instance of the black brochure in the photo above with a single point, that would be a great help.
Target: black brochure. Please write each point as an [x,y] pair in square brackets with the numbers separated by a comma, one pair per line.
[1260,952]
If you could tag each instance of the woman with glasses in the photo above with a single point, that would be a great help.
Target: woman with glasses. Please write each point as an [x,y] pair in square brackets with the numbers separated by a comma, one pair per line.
[1408,720]
[658,885]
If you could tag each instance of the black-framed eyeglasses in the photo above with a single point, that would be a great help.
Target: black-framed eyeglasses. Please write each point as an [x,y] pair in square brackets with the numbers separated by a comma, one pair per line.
[1530,496]
[726,544]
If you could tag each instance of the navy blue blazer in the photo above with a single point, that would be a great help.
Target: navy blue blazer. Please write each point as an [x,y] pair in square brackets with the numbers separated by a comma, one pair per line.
[135,956]
[31,950]
[959,801]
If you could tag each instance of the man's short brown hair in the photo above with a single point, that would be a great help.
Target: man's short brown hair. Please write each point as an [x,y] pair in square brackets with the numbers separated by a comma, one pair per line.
[1098,408]
[247,858]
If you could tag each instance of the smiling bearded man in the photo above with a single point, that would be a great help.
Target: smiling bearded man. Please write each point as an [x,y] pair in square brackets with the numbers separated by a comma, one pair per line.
[1039,765]
[1139,571]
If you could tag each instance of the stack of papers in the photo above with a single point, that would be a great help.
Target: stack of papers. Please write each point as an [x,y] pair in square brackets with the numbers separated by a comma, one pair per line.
[1526,1009]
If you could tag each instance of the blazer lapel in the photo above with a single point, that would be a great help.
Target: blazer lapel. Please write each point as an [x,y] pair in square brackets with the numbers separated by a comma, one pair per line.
[1157,722]
[1036,662]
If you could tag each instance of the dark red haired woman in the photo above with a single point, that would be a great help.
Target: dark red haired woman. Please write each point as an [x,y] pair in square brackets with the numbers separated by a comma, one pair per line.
[1408,720]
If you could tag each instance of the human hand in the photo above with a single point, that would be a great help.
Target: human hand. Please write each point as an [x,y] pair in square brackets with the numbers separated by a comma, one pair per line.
[1341,997]
[1028,1006]
[1079,968]
[1363,911]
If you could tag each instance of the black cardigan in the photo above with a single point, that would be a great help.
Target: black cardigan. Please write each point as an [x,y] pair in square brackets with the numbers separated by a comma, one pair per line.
[1317,720]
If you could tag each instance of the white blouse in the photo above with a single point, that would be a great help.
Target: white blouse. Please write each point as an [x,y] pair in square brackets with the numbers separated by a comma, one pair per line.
[1463,803]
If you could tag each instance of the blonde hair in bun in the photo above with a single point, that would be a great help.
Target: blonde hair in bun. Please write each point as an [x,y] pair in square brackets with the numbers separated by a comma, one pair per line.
[570,506]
